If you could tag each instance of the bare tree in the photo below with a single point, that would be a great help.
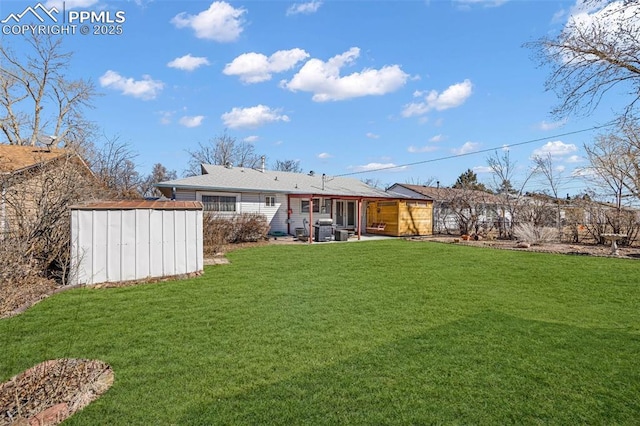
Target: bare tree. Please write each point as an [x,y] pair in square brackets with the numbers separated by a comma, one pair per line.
[221,150]
[159,173]
[37,97]
[113,164]
[508,190]
[629,142]
[288,166]
[37,237]
[430,181]
[594,53]
[609,166]
[544,166]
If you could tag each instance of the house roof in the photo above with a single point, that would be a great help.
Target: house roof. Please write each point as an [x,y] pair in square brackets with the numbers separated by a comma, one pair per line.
[242,179]
[15,158]
[140,204]
[443,193]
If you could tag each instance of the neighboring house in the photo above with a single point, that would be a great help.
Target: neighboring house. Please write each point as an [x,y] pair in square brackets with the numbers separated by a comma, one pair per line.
[457,210]
[28,173]
[291,202]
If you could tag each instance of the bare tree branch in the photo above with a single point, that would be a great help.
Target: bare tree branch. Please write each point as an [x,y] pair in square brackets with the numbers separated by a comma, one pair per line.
[593,54]
[37,98]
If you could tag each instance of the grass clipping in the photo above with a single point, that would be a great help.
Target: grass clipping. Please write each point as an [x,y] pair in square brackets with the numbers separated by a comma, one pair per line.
[51,391]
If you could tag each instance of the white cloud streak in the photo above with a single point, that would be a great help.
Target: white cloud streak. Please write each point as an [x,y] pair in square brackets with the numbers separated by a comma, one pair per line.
[390,167]
[304,8]
[418,149]
[452,97]
[221,22]
[188,62]
[251,117]
[193,121]
[323,79]
[145,89]
[556,149]
[255,67]
[466,148]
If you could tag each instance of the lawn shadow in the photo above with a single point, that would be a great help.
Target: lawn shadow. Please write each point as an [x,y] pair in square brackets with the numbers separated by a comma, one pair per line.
[485,369]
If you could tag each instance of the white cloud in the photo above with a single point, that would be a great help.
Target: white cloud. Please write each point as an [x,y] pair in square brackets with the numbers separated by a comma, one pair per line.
[188,62]
[551,126]
[252,117]
[483,169]
[555,149]
[304,8]
[221,22]
[560,168]
[252,139]
[574,159]
[426,148]
[256,67]
[452,97]
[584,172]
[372,135]
[392,167]
[193,121]
[165,117]
[466,148]
[324,155]
[324,81]
[585,16]
[436,138]
[464,4]
[145,89]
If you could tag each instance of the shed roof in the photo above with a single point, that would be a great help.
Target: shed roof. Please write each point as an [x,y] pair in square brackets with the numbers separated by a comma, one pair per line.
[14,158]
[242,179]
[140,204]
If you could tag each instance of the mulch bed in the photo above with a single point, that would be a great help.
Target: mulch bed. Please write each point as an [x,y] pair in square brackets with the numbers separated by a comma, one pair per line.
[51,391]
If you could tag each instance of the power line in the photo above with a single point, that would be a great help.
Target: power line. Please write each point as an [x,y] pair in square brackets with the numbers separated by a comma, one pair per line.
[465,154]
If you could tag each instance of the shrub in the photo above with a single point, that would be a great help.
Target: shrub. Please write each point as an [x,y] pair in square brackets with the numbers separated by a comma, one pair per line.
[219,230]
[536,235]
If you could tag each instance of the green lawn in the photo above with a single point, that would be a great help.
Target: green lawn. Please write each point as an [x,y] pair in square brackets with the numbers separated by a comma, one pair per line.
[381,332]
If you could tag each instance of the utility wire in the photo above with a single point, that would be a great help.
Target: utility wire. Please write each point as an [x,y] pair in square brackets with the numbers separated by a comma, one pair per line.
[433,160]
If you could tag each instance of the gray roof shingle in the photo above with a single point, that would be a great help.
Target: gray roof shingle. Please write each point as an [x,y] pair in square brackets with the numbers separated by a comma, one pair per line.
[242,179]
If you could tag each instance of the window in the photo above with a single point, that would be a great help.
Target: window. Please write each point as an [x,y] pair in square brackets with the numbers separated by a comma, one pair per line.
[319,205]
[219,203]
[270,201]
[304,206]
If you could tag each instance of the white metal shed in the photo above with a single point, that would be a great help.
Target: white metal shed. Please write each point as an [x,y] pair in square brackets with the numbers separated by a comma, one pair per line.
[118,241]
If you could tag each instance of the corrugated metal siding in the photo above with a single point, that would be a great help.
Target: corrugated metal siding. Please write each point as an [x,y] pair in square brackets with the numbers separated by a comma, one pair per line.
[124,245]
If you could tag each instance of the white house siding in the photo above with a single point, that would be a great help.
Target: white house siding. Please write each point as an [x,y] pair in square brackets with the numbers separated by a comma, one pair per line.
[112,245]
[276,215]
[254,202]
[248,202]
[182,195]
[301,220]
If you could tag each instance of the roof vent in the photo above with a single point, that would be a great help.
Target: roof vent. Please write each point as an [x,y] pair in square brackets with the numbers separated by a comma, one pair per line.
[312,173]
[228,165]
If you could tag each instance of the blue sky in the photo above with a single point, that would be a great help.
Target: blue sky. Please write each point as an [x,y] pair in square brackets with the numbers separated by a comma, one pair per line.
[342,86]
